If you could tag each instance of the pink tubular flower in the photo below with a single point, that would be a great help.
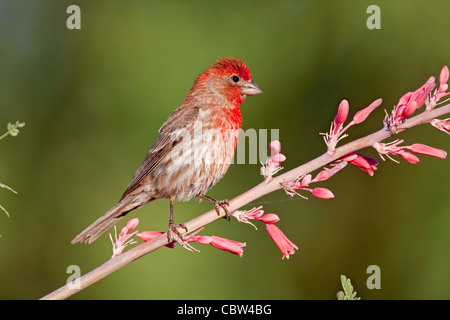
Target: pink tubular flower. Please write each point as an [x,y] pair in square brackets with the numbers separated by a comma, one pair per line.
[430,151]
[441,125]
[390,148]
[286,246]
[269,218]
[440,92]
[130,225]
[341,115]
[362,115]
[328,172]
[272,165]
[245,216]
[218,242]
[405,98]
[393,148]
[322,193]
[443,86]
[123,240]
[408,156]
[414,100]
[336,132]
[306,180]
[443,77]
[301,182]
[408,104]
[366,164]
[424,91]
[275,147]
[255,214]
[149,235]
[278,158]
[231,246]
[337,129]
[409,109]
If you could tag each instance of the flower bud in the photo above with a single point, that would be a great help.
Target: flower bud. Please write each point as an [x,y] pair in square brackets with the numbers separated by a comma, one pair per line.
[270,218]
[278,158]
[275,147]
[342,112]
[409,109]
[430,151]
[204,239]
[443,77]
[322,193]
[361,115]
[133,223]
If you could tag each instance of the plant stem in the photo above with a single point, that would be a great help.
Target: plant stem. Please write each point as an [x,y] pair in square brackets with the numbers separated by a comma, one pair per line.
[247,197]
[4,135]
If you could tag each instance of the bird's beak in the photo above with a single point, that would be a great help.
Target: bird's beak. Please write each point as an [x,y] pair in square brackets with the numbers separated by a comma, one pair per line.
[250,88]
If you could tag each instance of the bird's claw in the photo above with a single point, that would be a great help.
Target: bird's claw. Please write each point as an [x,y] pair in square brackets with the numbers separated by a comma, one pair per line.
[173,235]
[218,204]
[224,205]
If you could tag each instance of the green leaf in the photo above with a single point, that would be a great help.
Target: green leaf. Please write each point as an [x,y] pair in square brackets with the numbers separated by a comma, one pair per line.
[13,128]
[348,293]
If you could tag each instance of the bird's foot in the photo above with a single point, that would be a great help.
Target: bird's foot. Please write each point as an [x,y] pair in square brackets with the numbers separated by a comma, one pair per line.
[224,205]
[173,235]
[218,204]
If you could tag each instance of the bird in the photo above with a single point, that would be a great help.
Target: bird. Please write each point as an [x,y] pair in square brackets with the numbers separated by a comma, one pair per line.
[193,150]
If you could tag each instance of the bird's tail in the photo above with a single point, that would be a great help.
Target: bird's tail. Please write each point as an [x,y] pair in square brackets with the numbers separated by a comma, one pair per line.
[106,221]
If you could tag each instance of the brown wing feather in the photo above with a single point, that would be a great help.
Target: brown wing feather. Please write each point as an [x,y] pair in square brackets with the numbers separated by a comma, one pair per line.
[179,122]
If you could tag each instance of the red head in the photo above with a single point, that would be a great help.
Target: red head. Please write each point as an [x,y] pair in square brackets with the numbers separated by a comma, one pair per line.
[226,84]
[228,66]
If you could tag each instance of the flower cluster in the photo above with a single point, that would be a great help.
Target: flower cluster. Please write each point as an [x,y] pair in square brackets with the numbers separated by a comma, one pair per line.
[440,92]
[303,181]
[124,237]
[441,125]
[228,245]
[272,165]
[124,240]
[337,128]
[286,246]
[393,148]
[234,247]
[366,164]
[411,101]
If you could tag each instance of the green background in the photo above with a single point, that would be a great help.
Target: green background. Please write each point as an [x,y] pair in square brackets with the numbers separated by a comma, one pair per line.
[93,100]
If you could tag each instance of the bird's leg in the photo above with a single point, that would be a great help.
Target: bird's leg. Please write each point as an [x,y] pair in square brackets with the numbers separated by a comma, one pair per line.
[217,204]
[173,234]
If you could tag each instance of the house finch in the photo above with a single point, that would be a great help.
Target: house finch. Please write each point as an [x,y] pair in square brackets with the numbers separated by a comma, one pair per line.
[194,148]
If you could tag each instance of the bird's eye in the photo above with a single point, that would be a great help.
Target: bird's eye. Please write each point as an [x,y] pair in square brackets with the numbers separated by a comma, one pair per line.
[235,78]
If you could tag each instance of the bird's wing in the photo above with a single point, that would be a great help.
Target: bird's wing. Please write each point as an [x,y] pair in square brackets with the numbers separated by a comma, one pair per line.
[170,134]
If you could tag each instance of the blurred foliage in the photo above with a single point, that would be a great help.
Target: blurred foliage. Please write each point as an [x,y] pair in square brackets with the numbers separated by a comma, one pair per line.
[12,130]
[94,99]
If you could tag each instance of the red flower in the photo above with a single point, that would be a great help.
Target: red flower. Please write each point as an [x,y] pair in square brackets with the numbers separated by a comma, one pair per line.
[337,128]
[231,246]
[430,151]
[366,164]
[272,165]
[394,149]
[322,193]
[286,246]
[119,243]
